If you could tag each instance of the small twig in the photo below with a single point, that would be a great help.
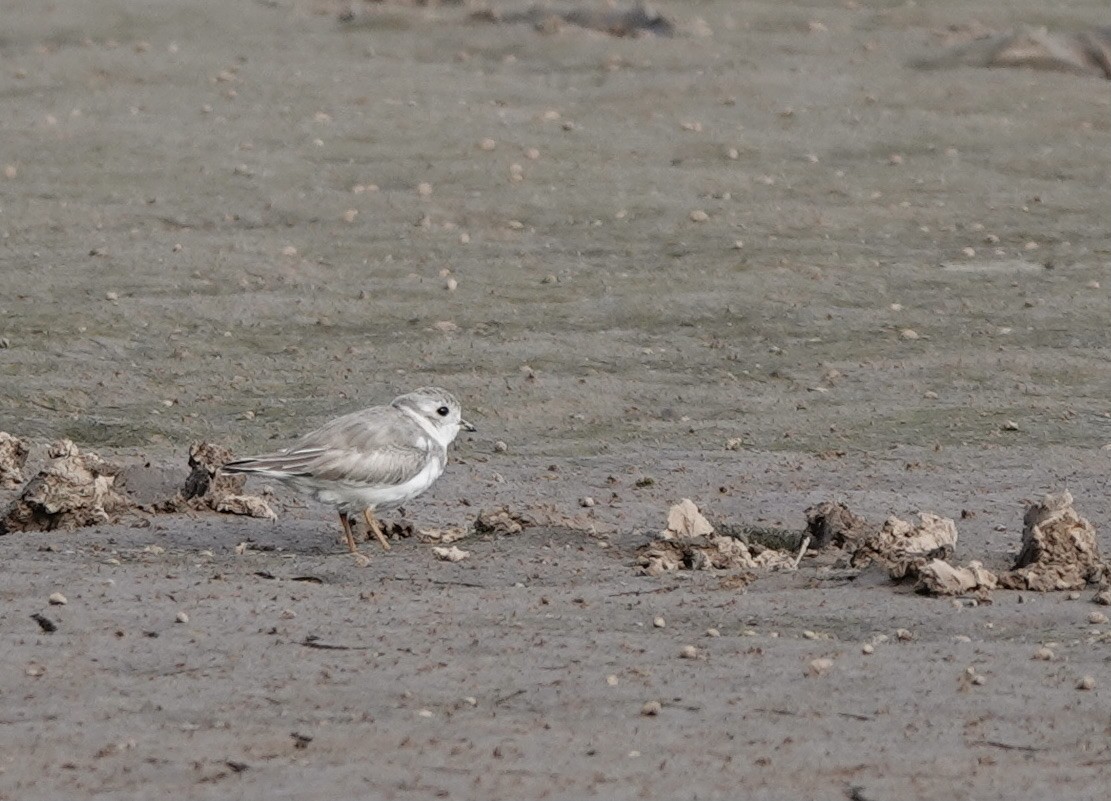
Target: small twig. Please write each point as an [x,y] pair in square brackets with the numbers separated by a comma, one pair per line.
[856,716]
[1006,746]
[644,592]
[802,551]
[312,641]
[504,698]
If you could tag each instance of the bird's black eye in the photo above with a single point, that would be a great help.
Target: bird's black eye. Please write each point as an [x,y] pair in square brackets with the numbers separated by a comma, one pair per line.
[443,411]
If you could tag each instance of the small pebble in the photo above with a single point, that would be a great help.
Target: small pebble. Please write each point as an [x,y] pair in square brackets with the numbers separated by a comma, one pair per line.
[699,216]
[500,447]
[819,667]
[532,154]
[586,502]
[424,189]
[969,252]
[973,677]
[1044,654]
[811,635]
[111,295]
[612,680]
[1095,618]
[57,599]
[651,709]
[350,215]
[425,713]
[451,285]
[659,622]
[289,250]
[732,154]
[1092,285]
[182,617]
[487,144]
[1103,597]
[713,633]
[1086,683]
[908,333]
[1009,425]
[903,634]
[688,652]
[1074,596]
[867,648]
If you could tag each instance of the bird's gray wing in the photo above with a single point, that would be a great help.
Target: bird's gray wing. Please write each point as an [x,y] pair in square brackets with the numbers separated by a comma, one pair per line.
[374,447]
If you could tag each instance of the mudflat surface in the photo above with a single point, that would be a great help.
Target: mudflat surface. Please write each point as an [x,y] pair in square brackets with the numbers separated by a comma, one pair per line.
[213,226]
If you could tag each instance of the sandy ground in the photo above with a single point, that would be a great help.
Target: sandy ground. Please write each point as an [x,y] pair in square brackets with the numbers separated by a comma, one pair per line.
[212,226]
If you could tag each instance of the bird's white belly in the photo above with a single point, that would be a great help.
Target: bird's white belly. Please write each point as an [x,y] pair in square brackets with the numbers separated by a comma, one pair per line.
[351,499]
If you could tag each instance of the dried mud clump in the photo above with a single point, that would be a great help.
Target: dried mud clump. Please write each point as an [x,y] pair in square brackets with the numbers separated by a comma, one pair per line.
[904,548]
[74,490]
[499,521]
[830,523]
[207,488]
[634,21]
[13,455]
[441,536]
[1085,52]
[938,577]
[690,543]
[1059,549]
[546,515]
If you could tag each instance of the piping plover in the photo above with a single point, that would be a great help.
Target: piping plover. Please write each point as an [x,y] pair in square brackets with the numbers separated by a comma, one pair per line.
[369,461]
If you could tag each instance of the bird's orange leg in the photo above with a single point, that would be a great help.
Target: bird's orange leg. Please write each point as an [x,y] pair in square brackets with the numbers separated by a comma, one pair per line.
[351,546]
[376,529]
